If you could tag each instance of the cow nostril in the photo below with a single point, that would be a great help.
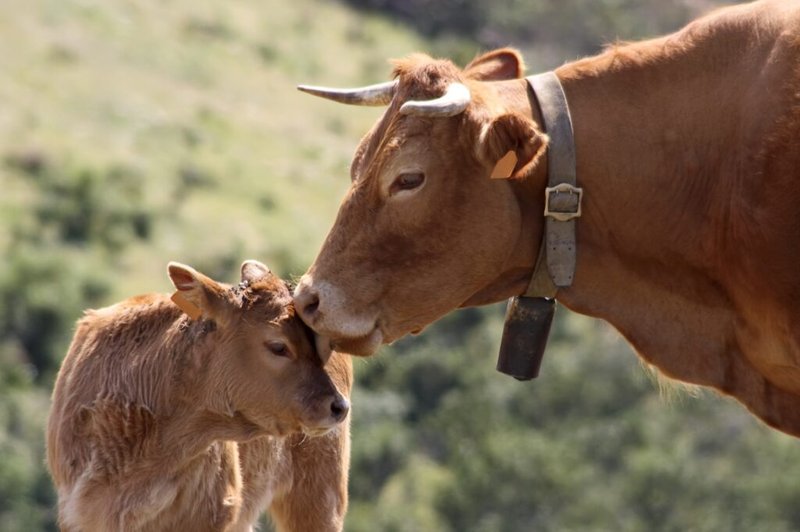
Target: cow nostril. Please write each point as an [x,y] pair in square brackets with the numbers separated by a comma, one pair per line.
[339,408]
[310,308]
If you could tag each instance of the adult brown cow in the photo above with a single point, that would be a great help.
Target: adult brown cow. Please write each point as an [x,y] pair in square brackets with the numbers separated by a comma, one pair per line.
[688,153]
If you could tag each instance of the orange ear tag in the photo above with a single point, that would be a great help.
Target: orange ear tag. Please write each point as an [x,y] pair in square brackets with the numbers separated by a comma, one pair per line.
[504,167]
[192,310]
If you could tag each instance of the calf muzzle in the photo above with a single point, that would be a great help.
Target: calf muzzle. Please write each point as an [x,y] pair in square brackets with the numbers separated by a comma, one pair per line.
[340,406]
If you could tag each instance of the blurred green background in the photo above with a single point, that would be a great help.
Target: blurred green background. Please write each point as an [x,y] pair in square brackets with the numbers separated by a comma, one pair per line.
[132,134]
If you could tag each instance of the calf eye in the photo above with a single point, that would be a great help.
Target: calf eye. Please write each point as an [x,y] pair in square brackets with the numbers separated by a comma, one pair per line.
[278,349]
[408,181]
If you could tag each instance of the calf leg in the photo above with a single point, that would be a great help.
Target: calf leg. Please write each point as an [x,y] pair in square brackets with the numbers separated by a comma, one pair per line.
[317,498]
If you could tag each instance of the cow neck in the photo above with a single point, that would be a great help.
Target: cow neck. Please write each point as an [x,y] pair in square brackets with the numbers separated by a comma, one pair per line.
[556,260]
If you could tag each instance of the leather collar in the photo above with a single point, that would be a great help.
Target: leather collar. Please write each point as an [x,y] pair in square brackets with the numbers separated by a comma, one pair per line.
[562,195]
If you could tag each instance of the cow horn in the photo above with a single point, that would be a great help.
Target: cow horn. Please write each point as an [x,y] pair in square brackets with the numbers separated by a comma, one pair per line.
[454,101]
[378,94]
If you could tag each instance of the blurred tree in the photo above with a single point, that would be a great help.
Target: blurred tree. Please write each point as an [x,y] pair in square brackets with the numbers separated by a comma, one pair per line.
[582,25]
[78,213]
[591,445]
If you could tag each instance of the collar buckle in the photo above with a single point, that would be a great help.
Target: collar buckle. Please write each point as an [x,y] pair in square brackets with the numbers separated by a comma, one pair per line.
[563,202]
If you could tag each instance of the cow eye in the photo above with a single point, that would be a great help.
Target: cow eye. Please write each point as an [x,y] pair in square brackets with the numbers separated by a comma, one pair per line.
[408,181]
[278,349]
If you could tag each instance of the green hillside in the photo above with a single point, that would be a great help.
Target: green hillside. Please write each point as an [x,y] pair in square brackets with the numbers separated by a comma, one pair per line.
[132,134]
[198,102]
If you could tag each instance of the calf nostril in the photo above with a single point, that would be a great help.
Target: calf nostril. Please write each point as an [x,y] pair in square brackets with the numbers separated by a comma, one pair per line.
[339,408]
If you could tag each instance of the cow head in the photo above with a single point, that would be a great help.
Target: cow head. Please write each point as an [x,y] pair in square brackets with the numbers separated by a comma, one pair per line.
[424,228]
[261,360]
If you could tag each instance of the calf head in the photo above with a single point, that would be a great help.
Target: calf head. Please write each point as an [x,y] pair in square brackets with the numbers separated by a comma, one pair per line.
[261,360]
[423,227]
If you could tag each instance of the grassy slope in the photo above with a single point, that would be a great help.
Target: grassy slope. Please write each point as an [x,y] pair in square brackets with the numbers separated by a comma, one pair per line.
[186,92]
[197,99]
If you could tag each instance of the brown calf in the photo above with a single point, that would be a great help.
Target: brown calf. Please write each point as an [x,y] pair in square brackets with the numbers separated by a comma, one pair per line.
[164,422]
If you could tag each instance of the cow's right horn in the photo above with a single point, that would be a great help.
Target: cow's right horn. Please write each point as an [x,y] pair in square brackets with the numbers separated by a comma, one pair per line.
[455,99]
[379,94]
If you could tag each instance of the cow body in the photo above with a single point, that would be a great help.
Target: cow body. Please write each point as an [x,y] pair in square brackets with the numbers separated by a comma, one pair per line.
[689,242]
[163,422]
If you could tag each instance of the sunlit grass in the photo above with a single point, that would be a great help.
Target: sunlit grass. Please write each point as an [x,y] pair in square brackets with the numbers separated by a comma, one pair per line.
[199,98]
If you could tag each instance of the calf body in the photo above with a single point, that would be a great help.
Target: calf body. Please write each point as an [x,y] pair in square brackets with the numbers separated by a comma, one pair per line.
[164,422]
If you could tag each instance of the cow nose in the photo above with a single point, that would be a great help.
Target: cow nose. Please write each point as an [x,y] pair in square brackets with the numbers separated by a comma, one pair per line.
[339,408]
[306,301]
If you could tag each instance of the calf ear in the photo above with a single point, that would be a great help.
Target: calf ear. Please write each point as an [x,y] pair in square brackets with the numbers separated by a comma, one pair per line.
[512,144]
[252,271]
[505,63]
[196,294]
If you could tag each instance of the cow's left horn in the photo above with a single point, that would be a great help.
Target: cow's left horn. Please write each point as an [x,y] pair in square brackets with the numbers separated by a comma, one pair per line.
[378,94]
[454,101]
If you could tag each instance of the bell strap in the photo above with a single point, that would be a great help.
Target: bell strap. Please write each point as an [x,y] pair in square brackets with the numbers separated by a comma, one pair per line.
[562,196]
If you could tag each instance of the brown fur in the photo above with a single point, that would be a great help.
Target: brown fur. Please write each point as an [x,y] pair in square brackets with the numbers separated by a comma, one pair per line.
[688,153]
[160,422]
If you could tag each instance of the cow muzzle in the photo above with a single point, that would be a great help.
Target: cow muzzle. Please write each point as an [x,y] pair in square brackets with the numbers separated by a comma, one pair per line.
[323,307]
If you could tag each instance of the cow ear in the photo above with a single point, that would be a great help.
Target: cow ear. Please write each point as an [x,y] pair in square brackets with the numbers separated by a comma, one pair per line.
[504,63]
[252,271]
[512,145]
[196,294]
